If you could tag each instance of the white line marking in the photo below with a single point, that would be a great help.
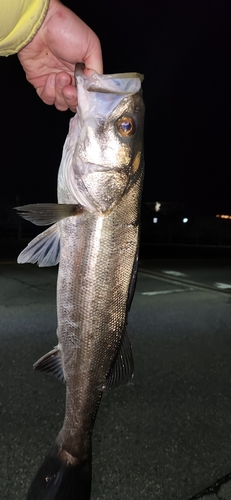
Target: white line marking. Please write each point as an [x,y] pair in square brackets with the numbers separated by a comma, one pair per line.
[164,292]
[174,273]
[222,286]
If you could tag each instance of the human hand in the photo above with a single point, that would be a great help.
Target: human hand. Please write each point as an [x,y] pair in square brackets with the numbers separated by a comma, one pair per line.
[49,59]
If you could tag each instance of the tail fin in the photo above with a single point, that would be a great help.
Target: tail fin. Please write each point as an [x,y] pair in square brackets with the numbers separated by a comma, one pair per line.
[57,480]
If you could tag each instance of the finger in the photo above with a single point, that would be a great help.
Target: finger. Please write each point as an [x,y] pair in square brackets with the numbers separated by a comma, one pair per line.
[70,96]
[52,91]
[47,92]
[62,79]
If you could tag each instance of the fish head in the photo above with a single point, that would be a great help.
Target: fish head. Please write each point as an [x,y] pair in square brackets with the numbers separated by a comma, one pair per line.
[108,135]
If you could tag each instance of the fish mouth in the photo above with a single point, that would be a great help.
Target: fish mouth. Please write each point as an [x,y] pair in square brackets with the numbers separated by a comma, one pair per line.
[117,83]
[79,67]
[103,83]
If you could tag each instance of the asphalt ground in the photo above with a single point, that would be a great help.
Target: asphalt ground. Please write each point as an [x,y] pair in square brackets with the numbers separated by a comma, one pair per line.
[166,435]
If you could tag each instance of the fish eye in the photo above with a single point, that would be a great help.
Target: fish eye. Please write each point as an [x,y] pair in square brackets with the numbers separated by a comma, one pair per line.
[126,126]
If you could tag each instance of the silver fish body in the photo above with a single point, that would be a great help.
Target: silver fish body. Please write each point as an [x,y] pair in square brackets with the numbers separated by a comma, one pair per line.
[97,228]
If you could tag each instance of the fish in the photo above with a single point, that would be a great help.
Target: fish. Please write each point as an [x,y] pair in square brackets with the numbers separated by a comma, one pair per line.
[94,236]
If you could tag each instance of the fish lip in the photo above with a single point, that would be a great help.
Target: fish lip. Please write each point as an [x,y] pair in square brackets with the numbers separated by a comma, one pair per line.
[79,68]
[93,83]
[109,84]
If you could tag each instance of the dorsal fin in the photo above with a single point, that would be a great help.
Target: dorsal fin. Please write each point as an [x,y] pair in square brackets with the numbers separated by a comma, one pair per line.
[122,370]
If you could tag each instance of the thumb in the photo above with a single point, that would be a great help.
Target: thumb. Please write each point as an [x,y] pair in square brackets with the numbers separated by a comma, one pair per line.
[93,60]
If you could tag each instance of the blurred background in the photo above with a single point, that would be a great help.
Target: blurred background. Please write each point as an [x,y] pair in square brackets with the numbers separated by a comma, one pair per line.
[183,50]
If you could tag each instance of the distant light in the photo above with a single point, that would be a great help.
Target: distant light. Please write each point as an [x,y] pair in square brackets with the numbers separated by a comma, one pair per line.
[157,206]
[185,219]
[155,220]
[224,216]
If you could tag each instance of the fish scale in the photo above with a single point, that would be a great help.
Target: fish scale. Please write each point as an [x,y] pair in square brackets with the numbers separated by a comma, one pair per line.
[95,238]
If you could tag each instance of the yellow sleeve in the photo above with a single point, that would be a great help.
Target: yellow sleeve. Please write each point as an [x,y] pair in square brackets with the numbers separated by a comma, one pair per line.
[19,21]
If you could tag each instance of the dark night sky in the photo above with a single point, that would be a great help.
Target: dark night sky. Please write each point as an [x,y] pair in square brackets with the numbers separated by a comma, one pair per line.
[183,49]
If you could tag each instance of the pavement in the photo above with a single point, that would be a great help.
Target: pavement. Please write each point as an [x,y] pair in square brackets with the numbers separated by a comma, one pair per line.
[221,490]
[198,274]
[167,434]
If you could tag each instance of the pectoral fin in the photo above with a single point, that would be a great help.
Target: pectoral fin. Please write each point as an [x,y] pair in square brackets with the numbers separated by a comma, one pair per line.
[43,214]
[44,249]
[51,363]
[122,369]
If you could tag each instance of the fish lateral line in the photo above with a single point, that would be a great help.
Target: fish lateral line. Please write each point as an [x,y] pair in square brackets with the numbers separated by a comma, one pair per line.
[121,372]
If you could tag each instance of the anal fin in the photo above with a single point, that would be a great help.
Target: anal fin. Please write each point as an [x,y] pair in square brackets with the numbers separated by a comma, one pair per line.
[122,370]
[51,363]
